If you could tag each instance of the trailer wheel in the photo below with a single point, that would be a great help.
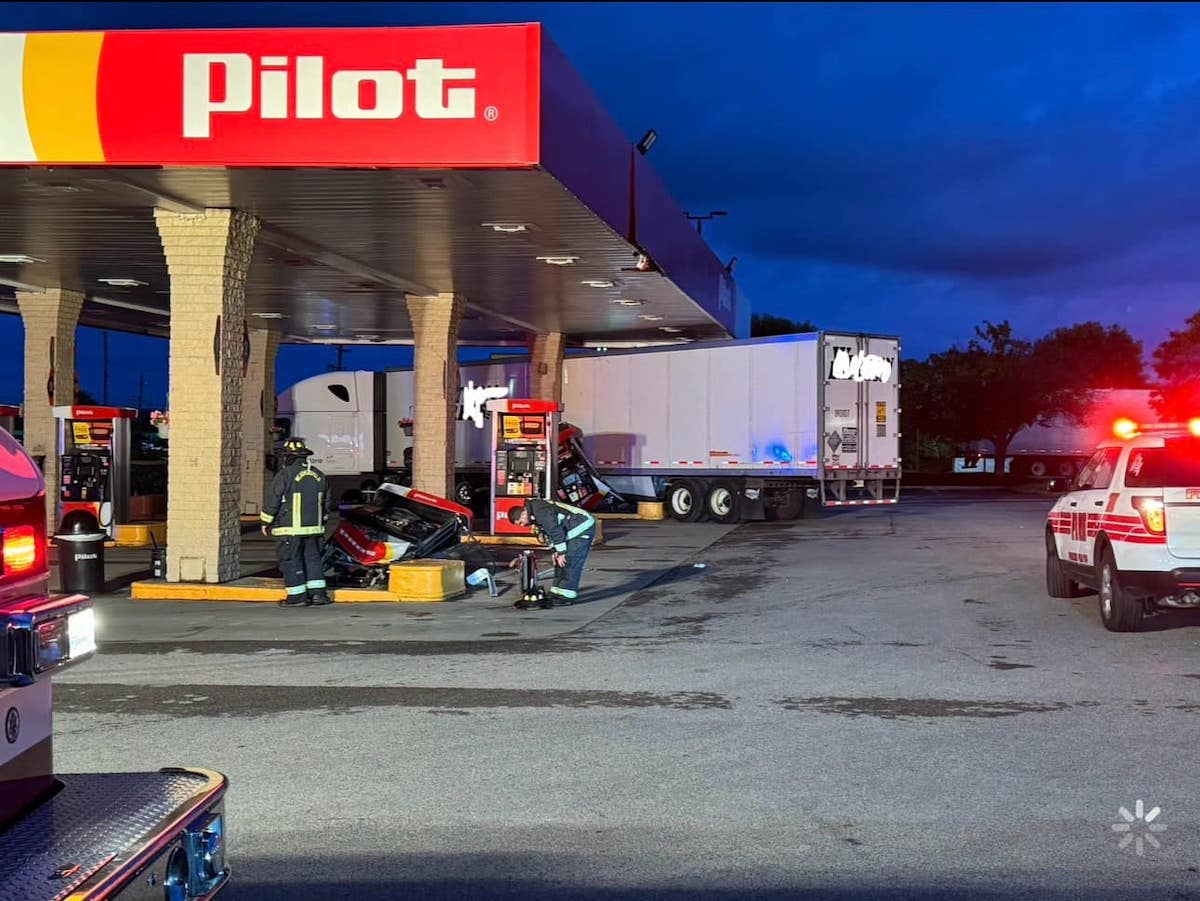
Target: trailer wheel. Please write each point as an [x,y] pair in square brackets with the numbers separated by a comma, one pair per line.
[685,500]
[1037,468]
[1066,469]
[724,502]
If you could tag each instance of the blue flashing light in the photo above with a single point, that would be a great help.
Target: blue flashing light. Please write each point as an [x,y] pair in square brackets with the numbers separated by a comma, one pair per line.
[780,453]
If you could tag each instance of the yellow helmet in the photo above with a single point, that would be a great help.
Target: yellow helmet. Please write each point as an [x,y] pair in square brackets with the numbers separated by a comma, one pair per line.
[295,447]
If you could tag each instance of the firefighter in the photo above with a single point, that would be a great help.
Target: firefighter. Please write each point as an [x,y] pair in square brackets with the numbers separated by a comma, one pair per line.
[570,532]
[294,515]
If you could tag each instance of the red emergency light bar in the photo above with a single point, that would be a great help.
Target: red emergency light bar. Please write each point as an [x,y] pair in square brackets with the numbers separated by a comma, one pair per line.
[1126,428]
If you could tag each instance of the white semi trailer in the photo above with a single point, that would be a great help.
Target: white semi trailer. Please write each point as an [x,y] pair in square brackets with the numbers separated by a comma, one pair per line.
[1061,448]
[727,431]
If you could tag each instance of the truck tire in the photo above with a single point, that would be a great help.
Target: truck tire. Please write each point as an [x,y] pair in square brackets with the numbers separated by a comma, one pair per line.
[685,500]
[1038,468]
[1119,611]
[1066,469]
[1058,583]
[723,501]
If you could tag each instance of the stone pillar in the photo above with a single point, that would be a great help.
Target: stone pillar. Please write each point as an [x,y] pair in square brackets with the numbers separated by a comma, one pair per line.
[435,322]
[208,255]
[49,318]
[258,415]
[546,366]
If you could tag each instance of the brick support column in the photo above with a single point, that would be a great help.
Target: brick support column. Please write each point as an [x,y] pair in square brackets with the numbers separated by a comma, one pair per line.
[208,255]
[258,415]
[49,319]
[435,322]
[546,366]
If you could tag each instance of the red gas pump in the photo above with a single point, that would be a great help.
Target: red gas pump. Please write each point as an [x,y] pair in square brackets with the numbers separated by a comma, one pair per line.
[524,454]
[93,450]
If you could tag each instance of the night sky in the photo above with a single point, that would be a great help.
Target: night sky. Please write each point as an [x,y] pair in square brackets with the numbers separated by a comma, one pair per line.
[904,169]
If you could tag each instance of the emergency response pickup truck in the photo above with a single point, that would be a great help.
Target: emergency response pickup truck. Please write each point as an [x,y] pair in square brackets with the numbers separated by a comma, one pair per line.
[1129,527]
[80,837]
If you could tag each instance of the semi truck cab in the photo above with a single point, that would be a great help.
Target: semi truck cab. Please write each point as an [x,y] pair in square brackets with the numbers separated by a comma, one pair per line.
[81,837]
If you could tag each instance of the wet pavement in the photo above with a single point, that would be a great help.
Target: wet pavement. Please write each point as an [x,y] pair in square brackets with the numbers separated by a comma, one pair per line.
[878,704]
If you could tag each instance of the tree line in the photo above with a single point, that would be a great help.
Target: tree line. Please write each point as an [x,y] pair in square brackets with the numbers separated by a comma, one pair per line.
[998,384]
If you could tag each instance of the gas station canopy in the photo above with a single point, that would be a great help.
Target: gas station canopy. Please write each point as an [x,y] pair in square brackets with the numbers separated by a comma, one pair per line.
[381,162]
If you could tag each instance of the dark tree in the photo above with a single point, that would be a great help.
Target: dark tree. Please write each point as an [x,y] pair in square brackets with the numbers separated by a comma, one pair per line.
[764,324]
[1094,356]
[1177,363]
[1000,384]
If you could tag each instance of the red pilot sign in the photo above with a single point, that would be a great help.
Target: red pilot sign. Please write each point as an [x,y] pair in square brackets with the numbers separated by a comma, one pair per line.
[400,97]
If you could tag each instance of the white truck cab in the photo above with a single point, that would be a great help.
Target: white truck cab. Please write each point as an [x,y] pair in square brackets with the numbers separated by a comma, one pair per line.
[92,836]
[1129,527]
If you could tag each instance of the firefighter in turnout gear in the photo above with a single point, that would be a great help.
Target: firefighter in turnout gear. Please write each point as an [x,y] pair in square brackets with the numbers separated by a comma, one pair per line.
[294,515]
[569,531]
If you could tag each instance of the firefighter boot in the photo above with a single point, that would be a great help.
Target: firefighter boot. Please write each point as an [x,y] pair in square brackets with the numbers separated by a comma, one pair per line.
[319,598]
[294,600]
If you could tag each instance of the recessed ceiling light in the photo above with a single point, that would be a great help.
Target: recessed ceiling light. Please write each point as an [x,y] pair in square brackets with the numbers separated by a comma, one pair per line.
[598,283]
[649,317]
[269,315]
[626,302]
[508,228]
[559,261]
[19,258]
[669,328]
[122,282]
[325,327]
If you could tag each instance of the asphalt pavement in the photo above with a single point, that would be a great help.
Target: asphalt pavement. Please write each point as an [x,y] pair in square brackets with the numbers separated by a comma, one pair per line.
[877,704]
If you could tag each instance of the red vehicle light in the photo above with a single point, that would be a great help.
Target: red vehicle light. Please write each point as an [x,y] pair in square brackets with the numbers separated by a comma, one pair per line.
[1125,428]
[19,549]
[1194,426]
[1154,514]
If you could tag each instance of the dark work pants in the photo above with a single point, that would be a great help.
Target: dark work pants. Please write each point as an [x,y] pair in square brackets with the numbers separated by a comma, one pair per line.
[300,562]
[566,581]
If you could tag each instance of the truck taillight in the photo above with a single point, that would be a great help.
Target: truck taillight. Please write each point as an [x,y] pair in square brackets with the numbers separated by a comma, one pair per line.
[19,550]
[22,539]
[1154,514]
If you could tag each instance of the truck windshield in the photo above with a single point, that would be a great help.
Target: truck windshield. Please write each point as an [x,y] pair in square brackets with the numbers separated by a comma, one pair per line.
[1176,465]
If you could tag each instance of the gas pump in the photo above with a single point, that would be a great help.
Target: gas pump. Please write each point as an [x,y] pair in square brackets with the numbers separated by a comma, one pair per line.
[524,454]
[93,450]
[578,482]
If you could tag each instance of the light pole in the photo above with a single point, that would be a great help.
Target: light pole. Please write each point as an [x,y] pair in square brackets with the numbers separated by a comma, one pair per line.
[700,220]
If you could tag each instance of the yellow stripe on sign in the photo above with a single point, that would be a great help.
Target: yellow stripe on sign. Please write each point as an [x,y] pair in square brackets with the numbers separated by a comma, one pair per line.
[60,96]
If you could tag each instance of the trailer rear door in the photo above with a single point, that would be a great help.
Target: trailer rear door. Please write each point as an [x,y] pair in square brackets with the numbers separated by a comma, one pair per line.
[861,434]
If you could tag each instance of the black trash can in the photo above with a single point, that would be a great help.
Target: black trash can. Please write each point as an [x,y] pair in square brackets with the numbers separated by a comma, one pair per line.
[81,553]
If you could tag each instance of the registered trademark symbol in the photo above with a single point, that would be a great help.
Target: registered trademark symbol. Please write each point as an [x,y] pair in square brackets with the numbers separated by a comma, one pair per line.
[491,114]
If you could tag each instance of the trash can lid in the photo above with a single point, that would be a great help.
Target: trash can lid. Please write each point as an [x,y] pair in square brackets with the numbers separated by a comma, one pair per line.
[80,525]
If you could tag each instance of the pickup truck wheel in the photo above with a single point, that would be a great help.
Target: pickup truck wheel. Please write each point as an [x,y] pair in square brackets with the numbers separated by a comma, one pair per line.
[464,494]
[1119,611]
[685,500]
[723,502]
[1058,583]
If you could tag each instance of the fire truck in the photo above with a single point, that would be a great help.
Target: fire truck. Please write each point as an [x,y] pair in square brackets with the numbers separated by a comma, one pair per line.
[80,837]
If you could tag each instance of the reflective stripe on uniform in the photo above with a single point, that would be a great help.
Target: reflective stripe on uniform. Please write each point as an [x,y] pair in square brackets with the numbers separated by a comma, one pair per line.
[301,530]
[294,590]
[564,592]
[266,517]
[315,584]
